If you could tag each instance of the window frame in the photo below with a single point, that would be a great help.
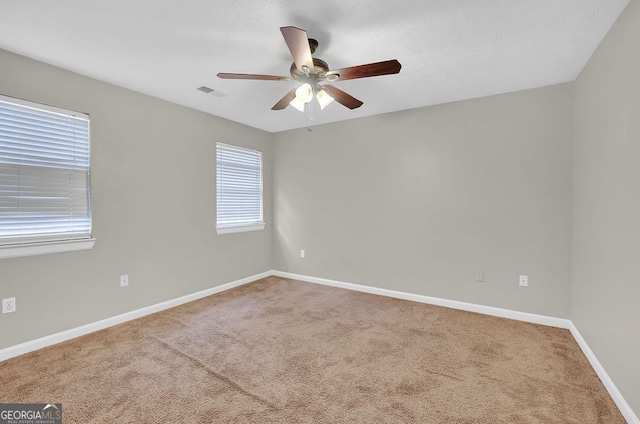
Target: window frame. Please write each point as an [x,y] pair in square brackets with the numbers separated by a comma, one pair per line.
[246,226]
[41,245]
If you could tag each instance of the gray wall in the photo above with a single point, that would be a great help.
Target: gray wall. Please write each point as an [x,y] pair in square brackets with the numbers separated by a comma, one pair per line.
[416,201]
[605,291]
[153,195]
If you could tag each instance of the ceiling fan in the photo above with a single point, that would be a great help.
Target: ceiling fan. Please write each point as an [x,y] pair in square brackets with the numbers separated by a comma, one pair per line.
[311,72]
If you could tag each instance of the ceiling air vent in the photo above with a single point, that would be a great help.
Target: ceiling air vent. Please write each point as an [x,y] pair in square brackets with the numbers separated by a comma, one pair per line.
[205,89]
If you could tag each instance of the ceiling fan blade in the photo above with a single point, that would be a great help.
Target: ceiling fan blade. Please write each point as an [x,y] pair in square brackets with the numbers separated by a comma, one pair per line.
[284,102]
[298,44]
[341,97]
[363,71]
[225,75]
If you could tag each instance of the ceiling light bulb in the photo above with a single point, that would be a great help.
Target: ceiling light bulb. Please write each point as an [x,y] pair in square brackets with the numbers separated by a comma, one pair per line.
[324,99]
[304,93]
[297,104]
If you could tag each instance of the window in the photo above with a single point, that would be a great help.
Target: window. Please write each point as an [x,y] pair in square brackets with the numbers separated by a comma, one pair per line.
[44,179]
[239,189]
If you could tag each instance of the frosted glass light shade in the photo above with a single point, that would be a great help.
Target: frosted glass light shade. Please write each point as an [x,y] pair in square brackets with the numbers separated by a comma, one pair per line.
[304,93]
[324,99]
[297,104]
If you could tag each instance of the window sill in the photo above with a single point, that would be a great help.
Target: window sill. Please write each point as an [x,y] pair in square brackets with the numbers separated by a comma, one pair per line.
[239,229]
[45,248]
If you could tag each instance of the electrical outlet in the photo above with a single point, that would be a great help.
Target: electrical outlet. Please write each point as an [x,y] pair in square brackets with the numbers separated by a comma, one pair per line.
[479,275]
[302,253]
[8,305]
[124,280]
[524,281]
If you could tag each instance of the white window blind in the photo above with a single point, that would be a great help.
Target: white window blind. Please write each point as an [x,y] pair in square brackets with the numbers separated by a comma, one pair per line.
[239,188]
[44,174]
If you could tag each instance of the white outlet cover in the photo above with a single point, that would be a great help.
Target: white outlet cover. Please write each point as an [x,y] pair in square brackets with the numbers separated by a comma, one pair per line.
[524,281]
[8,305]
[124,280]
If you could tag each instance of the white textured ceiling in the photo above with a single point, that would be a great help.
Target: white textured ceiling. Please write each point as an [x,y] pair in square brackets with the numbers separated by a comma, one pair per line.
[449,49]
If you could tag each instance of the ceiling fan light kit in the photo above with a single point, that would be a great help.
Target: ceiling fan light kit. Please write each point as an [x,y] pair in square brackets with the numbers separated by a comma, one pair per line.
[304,95]
[311,72]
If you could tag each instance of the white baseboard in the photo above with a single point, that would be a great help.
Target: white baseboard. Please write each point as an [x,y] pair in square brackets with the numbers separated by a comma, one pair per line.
[52,339]
[454,304]
[615,394]
[617,397]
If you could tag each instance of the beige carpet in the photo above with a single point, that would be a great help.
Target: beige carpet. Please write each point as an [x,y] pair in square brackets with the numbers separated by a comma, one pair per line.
[284,351]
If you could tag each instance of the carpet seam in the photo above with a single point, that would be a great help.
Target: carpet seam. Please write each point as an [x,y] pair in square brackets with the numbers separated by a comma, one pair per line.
[216,374]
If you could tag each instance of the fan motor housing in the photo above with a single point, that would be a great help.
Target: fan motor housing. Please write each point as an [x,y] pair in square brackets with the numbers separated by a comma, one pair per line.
[317,74]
